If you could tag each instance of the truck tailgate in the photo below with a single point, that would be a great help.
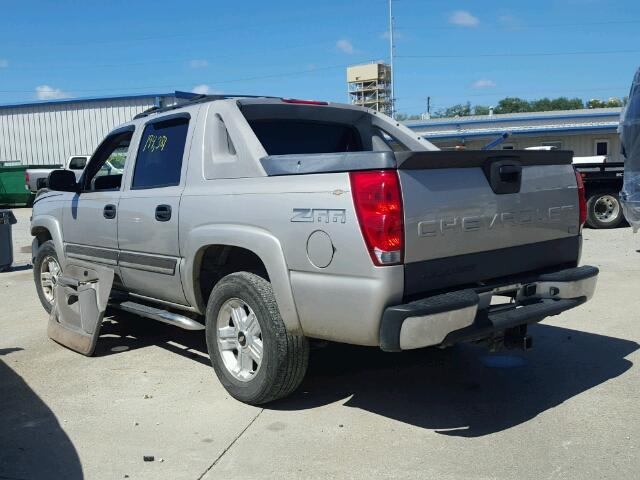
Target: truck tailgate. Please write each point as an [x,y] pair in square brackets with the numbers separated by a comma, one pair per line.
[473,216]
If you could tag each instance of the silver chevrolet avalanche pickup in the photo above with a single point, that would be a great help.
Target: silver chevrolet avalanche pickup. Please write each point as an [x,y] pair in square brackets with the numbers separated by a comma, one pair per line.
[267,222]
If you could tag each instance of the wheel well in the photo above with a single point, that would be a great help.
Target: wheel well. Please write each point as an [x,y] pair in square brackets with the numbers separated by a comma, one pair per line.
[596,188]
[601,191]
[41,234]
[218,261]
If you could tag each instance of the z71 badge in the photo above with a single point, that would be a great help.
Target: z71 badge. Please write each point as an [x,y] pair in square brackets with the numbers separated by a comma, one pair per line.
[320,215]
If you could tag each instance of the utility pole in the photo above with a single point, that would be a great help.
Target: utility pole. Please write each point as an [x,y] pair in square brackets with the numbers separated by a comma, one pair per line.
[391,52]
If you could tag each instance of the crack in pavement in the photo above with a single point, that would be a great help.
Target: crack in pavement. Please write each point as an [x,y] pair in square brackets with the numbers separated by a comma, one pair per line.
[230,445]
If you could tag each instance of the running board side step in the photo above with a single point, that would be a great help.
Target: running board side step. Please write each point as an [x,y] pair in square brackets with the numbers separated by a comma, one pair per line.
[158,314]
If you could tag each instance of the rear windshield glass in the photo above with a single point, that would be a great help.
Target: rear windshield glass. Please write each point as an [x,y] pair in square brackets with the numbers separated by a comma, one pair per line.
[286,137]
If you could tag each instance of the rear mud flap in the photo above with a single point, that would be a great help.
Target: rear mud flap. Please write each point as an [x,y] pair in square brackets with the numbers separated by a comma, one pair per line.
[81,296]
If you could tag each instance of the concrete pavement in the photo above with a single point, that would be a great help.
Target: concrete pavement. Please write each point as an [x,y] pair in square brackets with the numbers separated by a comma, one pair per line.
[567,409]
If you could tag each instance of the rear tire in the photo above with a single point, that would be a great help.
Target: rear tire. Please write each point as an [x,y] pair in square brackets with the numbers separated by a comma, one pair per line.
[255,358]
[604,210]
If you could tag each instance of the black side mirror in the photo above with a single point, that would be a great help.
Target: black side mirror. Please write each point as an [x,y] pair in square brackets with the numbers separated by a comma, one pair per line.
[62,181]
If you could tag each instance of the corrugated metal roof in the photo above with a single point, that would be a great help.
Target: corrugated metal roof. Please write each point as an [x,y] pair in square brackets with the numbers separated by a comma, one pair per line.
[518,117]
[534,123]
[529,130]
[84,100]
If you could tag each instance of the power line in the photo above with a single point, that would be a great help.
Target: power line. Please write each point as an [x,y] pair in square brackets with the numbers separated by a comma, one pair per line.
[193,33]
[517,25]
[159,62]
[223,57]
[221,82]
[532,54]
[235,54]
[582,24]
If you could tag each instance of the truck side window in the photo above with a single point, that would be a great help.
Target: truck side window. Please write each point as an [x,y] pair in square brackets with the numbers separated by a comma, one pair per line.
[160,153]
[104,171]
[77,163]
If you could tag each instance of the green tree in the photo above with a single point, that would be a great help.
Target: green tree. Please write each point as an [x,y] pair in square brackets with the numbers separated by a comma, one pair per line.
[551,104]
[460,110]
[615,102]
[595,103]
[611,102]
[564,103]
[480,110]
[513,105]
[542,105]
[520,105]
[403,116]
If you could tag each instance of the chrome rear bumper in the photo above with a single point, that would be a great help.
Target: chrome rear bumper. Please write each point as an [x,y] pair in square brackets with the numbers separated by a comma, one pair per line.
[468,314]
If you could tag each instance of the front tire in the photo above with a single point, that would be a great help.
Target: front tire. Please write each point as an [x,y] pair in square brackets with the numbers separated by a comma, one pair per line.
[254,357]
[46,269]
[604,210]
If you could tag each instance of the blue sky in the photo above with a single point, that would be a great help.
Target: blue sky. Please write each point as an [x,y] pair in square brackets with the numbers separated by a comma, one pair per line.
[453,51]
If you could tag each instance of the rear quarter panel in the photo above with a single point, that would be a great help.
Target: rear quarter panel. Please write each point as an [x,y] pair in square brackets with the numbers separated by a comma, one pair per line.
[343,301]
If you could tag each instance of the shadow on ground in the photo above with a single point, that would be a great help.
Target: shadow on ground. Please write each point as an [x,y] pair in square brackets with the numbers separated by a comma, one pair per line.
[32,443]
[462,391]
[465,391]
[122,331]
[19,268]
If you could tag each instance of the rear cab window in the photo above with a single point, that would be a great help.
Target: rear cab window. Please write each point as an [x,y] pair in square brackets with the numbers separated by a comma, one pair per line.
[285,137]
[299,129]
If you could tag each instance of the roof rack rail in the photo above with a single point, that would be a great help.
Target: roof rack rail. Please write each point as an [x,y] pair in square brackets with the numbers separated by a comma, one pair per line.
[191,99]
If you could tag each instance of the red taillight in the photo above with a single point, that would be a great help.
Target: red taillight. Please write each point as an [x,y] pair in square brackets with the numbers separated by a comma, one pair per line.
[582,199]
[378,202]
[303,102]
[26,178]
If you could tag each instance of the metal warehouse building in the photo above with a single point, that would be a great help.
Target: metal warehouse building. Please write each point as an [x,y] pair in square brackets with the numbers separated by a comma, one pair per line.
[586,132]
[47,133]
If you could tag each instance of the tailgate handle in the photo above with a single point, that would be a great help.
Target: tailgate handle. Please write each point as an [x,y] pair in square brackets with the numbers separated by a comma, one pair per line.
[504,174]
[510,173]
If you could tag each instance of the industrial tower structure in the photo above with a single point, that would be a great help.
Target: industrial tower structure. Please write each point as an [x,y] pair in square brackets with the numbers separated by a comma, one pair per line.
[370,86]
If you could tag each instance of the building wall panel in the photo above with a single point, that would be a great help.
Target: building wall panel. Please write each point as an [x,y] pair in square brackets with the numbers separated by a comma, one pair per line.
[582,145]
[49,133]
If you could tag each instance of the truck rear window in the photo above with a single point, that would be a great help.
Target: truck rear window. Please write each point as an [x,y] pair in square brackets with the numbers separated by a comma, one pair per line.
[287,137]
